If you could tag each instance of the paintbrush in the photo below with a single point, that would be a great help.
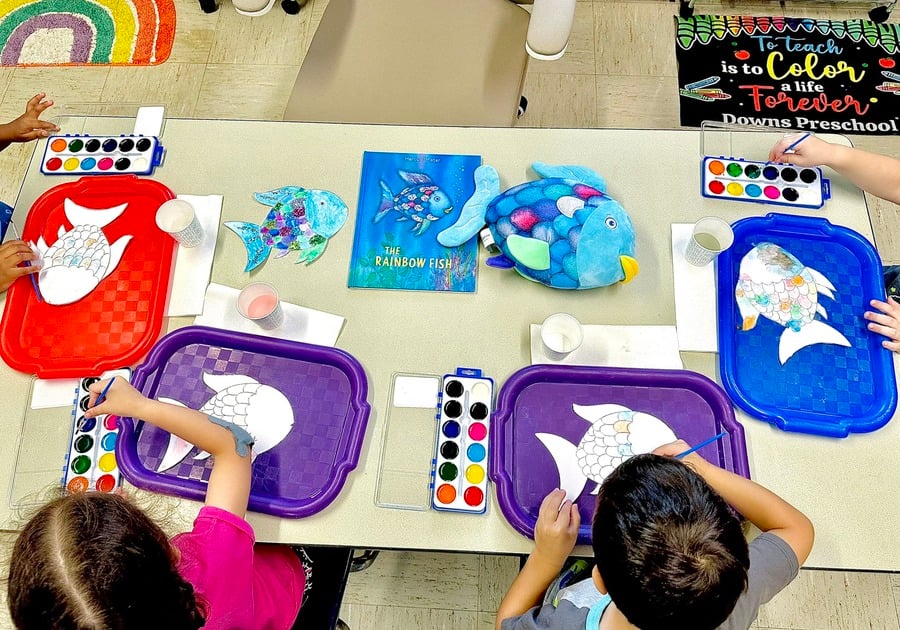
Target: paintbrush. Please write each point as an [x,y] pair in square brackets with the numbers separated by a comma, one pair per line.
[701,444]
[793,145]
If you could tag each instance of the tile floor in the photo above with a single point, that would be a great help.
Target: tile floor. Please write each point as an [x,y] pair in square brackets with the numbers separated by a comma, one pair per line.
[619,72]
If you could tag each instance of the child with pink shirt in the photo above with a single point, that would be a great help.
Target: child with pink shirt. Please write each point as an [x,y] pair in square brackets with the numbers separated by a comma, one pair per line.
[96,560]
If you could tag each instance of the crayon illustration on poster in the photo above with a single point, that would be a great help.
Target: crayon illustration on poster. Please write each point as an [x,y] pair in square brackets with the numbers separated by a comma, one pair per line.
[405,200]
[81,257]
[300,220]
[614,435]
[261,410]
[773,283]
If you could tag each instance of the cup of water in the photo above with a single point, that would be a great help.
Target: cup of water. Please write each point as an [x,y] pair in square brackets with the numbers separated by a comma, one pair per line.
[711,237]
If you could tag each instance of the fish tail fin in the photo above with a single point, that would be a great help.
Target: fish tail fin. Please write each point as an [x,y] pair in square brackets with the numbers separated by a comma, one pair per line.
[177,449]
[257,249]
[811,334]
[571,479]
[387,203]
[471,217]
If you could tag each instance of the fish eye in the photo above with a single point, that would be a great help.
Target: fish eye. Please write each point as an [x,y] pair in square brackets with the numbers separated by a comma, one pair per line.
[611,223]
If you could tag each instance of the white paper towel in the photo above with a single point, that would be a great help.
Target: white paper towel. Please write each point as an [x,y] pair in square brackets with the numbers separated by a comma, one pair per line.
[300,323]
[695,296]
[617,346]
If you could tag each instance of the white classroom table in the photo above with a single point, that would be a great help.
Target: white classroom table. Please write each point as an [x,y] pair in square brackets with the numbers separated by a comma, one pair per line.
[850,488]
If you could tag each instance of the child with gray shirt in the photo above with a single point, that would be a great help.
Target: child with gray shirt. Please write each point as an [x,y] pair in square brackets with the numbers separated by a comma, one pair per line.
[669,551]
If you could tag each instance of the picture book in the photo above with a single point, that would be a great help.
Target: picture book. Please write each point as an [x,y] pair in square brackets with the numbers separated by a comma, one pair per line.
[405,200]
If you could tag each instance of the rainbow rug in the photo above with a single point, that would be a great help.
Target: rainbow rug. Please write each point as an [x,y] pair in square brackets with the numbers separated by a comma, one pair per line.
[84,32]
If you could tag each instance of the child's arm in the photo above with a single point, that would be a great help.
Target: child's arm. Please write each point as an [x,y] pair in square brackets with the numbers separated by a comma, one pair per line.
[29,125]
[11,254]
[760,506]
[554,538]
[229,481]
[876,174]
[886,322]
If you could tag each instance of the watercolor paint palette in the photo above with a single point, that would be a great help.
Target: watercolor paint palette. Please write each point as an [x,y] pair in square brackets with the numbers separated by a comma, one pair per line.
[459,472]
[101,155]
[734,179]
[91,462]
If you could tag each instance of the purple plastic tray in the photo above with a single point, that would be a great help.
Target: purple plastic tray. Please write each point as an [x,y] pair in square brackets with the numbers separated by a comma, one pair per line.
[539,399]
[325,387]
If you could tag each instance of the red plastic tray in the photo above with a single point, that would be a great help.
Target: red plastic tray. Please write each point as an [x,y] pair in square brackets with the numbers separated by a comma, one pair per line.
[120,320]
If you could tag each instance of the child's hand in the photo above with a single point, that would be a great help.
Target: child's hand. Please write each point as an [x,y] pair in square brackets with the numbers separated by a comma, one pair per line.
[556,530]
[677,448]
[29,126]
[12,253]
[121,399]
[810,152]
[886,322]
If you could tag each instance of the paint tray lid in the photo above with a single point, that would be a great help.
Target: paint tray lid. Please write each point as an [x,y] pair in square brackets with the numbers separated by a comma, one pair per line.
[324,389]
[539,400]
[823,388]
[118,321]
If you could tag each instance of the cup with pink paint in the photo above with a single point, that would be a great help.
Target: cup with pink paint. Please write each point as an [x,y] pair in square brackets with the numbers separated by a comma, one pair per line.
[258,302]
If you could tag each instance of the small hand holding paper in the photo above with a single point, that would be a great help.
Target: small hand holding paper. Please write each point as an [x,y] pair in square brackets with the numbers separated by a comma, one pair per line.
[556,529]
[12,254]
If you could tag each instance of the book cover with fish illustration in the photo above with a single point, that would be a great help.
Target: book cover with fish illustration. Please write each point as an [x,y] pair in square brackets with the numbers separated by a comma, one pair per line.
[405,200]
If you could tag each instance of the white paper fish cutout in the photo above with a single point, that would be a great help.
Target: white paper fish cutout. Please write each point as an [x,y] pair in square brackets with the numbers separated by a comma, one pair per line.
[263,411]
[616,434]
[80,258]
[774,284]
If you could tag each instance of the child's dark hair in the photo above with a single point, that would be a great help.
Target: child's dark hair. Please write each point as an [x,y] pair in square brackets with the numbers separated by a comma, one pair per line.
[670,551]
[96,560]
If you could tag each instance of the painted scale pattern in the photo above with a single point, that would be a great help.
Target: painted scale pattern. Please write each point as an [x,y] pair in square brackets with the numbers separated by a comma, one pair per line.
[85,247]
[791,302]
[287,221]
[605,446]
[109,32]
[531,208]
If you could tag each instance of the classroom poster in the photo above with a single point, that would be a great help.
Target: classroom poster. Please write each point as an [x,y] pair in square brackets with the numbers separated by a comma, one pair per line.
[796,73]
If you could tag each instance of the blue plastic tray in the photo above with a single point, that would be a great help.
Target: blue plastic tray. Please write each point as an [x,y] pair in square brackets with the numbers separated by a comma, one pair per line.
[824,389]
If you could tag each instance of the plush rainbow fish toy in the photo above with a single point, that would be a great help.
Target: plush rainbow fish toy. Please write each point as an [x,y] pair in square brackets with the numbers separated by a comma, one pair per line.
[563,230]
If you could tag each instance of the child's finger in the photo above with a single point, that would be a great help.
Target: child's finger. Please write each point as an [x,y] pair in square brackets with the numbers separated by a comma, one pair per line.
[893,346]
[890,307]
[34,101]
[888,331]
[550,505]
[574,519]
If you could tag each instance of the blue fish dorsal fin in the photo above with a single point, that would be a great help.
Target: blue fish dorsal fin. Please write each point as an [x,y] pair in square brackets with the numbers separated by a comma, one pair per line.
[471,217]
[529,252]
[271,197]
[414,178]
[572,171]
